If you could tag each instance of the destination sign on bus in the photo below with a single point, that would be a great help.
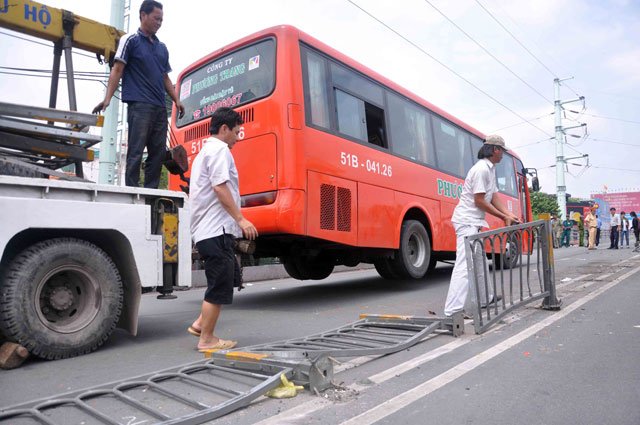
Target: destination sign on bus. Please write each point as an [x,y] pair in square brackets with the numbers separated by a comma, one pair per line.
[238,78]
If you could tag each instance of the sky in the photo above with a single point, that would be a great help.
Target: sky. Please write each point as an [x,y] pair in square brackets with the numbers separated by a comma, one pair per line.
[490,63]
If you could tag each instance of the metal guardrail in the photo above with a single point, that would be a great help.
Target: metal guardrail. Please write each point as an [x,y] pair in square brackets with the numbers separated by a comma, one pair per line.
[189,394]
[373,334]
[202,391]
[526,252]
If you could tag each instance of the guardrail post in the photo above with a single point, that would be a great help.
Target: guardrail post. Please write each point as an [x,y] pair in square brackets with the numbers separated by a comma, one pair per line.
[550,302]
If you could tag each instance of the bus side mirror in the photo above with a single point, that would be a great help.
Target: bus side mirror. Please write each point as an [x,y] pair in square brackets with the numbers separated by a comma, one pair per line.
[535,184]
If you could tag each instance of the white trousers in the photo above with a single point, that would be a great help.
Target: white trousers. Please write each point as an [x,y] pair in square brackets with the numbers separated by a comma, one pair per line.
[460,282]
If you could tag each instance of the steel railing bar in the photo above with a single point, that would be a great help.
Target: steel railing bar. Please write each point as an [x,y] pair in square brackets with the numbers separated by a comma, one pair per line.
[209,385]
[231,404]
[95,413]
[177,397]
[388,337]
[235,371]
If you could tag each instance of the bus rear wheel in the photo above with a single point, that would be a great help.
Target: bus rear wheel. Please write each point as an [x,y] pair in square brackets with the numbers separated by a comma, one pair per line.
[302,268]
[414,255]
[385,268]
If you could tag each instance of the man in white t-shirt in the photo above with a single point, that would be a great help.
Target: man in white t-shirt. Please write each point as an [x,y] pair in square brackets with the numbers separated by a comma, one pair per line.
[216,220]
[477,199]
[614,223]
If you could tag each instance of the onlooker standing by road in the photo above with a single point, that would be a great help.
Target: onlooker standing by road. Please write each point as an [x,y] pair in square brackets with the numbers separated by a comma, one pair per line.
[558,232]
[567,225]
[555,225]
[635,225]
[591,223]
[598,230]
[624,229]
[615,223]
[142,61]
[216,220]
[476,200]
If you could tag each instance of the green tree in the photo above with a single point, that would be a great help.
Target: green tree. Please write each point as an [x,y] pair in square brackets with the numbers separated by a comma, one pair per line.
[544,203]
[164,178]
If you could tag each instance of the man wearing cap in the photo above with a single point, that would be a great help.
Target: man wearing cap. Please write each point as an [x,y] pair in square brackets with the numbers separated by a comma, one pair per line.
[477,199]
[591,222]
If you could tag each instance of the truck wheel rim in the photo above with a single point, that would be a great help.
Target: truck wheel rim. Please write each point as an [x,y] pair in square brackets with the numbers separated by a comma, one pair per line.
[417,250]
[67,299]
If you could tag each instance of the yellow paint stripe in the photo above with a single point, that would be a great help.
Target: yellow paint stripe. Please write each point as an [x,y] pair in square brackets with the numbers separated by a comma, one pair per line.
[241,355]
[387,316]
[207,353]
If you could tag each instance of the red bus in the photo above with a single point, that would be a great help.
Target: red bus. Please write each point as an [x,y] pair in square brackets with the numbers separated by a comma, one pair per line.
[337,164]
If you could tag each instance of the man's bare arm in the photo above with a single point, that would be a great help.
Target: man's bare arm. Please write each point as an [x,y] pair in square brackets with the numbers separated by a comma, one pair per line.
[503,214]
[226,200]
[168,86]
[112,86]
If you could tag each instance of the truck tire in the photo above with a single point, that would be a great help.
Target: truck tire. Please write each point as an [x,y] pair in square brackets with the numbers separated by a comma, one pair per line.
[60,298]
[414,255]
[301,269]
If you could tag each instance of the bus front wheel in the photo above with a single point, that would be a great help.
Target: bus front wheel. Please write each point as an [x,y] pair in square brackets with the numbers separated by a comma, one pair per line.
[414,255]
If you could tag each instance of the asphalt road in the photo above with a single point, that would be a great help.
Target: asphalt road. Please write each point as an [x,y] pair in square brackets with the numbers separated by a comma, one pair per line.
[578,365]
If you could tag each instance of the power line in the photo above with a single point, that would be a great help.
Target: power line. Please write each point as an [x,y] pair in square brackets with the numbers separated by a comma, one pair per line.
[448,68]
[611,118]
[616,169]
[488,52]
[532,143]
[617,143]
[44,44]
[522,122]
[62,71]
[516,39]
[48,76]
[523,46]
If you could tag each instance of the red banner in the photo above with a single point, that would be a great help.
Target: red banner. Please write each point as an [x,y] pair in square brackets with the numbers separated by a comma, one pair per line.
[625,201]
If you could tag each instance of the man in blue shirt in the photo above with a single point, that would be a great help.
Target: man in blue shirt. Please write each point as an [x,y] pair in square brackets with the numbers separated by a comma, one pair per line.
[142,61]
[567,225]
[598,230]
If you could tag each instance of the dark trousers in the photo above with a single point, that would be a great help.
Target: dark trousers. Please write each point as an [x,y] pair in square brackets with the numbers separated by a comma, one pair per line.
[147,128]
[614,237]
[598,237]
[566,234]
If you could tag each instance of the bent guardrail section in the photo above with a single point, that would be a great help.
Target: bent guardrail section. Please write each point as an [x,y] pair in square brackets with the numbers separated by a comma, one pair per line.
[522,271]
[202,391]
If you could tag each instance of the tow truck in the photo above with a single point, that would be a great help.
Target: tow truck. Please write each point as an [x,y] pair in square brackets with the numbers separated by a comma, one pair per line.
[75,255]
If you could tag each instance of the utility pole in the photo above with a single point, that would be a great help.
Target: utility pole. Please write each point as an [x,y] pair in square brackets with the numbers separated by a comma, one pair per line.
[561,189]
[108,146]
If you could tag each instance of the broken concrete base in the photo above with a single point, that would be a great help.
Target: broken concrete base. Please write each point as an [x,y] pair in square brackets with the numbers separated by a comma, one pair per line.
[12,355]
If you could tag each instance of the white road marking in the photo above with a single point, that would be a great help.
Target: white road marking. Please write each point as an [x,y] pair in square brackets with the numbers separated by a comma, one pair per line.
[395,404]
[297,414]
[603,277]
[572,281]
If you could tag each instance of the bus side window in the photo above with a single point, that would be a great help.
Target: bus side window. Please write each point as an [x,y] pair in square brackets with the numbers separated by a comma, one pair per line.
[369,113]
[351,118]
[506,176]
[410,130]
[452,155]
[375,125]
[317,90]
[476,144]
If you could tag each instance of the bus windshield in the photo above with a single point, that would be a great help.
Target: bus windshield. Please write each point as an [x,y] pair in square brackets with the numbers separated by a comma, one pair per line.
[235,79]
